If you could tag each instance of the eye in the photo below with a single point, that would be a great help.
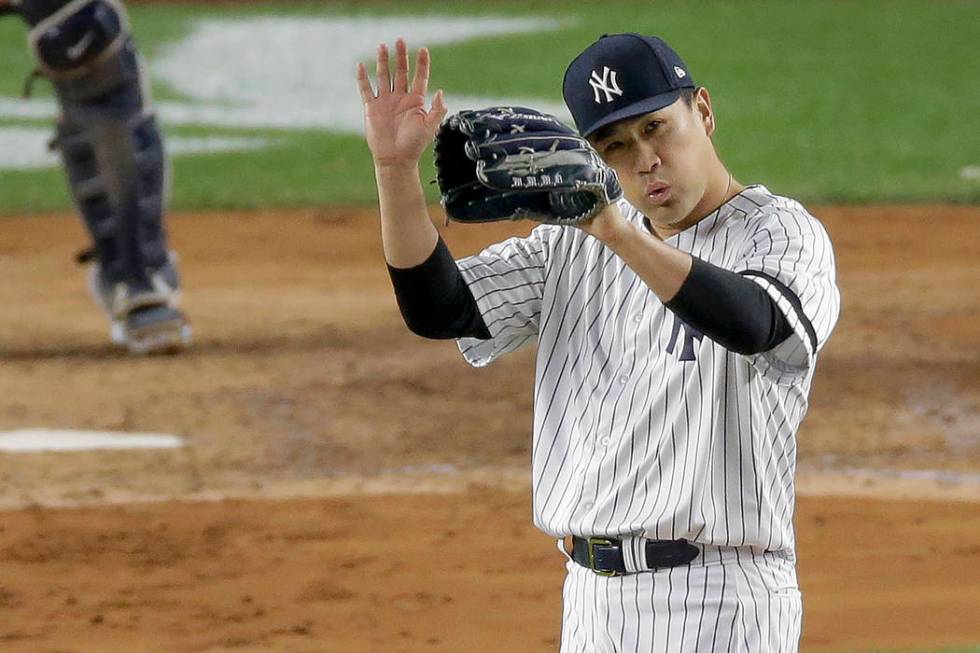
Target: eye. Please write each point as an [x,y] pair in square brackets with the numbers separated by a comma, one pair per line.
[651,126]
[612,146]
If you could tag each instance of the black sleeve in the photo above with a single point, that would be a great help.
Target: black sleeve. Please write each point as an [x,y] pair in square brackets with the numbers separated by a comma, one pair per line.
[434,299]
[730,309]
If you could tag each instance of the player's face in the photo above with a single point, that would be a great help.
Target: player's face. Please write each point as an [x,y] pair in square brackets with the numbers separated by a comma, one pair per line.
[664,159]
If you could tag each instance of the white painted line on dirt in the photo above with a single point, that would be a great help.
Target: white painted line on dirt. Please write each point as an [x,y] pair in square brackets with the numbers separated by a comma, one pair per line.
[44,440]
[892,484]
[937,475]
[947,476]
[448,479]
[25,148]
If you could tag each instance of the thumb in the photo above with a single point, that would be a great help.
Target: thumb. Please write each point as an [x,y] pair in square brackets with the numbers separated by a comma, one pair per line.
[437,112]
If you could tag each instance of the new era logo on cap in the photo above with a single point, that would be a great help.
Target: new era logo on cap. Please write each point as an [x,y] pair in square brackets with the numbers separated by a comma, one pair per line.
[621,76]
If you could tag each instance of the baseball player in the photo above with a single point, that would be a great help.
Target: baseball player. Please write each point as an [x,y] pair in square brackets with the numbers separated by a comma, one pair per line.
[113,156]
[677,331]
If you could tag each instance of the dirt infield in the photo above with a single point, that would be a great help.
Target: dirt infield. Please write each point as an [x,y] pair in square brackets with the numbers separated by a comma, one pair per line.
[370,513]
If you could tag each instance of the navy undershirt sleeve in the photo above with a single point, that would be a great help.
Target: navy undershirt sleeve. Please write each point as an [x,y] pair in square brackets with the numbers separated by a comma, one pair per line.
[730,309]
[435,300]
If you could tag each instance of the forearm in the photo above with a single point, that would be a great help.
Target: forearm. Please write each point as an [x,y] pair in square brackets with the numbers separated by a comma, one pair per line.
[432,295]
[434,299]
[730,309]
[407,234]
[662,267]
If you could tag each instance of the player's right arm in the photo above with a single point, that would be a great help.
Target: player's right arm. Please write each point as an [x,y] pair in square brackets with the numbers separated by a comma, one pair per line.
[438,298]
[432,294]
[398,130]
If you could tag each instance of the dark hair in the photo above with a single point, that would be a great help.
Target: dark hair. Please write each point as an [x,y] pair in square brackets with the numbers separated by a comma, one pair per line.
[687,94]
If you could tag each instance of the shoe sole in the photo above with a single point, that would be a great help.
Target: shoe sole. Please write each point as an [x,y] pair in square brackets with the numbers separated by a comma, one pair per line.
[164,337]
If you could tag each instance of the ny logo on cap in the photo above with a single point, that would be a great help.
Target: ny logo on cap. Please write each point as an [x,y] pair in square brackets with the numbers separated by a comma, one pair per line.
[607,84]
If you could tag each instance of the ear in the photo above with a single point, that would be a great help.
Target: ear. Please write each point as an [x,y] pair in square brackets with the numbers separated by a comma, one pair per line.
[702,105]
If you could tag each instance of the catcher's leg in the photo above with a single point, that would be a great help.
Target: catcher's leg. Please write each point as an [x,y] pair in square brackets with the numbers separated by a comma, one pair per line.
[114,158]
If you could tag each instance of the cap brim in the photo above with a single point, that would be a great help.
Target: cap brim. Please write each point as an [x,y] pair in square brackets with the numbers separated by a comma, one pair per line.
[646,105]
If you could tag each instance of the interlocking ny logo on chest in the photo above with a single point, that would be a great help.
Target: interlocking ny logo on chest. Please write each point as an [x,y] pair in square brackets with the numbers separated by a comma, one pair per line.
[605,84]
[690,335]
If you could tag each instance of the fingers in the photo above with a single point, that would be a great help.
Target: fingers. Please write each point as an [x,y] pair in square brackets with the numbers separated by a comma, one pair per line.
[420,81]
[384,76]
[420,85]
[363,83]
[401,67]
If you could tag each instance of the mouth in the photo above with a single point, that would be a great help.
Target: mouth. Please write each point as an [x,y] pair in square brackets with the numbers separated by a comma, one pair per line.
[658,192]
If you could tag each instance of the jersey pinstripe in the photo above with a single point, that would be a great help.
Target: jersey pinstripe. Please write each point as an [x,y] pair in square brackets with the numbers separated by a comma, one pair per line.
[643,426]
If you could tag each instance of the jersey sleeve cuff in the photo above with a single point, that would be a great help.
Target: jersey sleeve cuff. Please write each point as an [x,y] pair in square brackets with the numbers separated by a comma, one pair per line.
[481,352]
[794,356]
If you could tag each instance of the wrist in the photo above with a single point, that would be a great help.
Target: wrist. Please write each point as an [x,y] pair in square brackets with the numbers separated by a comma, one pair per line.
[611,227]
[396,165]
[396,171]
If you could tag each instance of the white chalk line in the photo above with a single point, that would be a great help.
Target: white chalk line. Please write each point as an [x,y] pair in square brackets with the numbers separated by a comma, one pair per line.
[25,441]
[882,484]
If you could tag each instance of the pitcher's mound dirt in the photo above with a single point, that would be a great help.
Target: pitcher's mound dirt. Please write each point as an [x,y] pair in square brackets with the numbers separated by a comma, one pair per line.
[304,382]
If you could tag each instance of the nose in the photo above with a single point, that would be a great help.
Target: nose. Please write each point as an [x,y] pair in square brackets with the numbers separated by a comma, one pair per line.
[647,159]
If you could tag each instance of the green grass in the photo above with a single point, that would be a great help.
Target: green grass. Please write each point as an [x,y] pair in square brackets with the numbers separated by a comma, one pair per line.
[825,101]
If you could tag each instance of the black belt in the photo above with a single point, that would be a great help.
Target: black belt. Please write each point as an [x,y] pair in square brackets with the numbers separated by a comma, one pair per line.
[604,555]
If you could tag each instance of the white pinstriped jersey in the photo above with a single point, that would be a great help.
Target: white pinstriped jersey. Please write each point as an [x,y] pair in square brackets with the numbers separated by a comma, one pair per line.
[643,426]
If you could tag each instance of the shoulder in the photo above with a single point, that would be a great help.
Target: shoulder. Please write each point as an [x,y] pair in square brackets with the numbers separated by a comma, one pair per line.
[547,233]
[761,213]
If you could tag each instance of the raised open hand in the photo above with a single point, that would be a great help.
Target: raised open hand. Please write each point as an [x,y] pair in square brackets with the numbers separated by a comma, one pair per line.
[397,125]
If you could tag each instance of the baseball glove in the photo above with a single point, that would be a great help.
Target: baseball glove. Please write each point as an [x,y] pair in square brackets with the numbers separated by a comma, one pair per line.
[511,163]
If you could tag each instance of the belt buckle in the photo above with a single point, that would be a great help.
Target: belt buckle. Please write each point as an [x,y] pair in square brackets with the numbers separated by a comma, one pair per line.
[593,543]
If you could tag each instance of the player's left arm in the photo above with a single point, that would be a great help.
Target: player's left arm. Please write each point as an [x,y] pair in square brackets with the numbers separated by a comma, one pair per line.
[728,308]
[790,256]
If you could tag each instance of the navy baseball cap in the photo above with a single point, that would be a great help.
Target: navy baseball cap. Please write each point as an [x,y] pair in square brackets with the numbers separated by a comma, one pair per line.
[622,76]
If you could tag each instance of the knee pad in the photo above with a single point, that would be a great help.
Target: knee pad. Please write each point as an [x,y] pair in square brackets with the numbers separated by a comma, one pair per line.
[83,46]
[109,139]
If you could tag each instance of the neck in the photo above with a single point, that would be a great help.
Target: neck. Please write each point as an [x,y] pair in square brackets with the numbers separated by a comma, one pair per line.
[721,187]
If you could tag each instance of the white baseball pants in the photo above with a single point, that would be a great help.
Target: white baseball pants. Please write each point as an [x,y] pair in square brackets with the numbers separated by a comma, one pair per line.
[728,600]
